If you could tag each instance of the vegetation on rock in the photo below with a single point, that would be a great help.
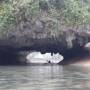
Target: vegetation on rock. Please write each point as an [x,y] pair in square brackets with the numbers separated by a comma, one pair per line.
[44,25]
[52,15]
[73,12]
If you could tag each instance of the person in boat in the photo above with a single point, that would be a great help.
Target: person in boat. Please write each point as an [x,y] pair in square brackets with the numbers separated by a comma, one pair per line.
[49,61]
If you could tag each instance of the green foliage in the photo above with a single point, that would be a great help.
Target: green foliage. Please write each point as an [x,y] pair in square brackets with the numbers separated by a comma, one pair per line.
[43,5]
[73,12]
[76,12]
[6,16]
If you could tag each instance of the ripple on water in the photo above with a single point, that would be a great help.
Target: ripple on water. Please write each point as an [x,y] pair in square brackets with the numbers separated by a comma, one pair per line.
[44,78]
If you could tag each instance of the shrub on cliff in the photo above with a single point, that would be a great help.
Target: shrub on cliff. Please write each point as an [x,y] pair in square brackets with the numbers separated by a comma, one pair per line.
[72,12]
[6,15]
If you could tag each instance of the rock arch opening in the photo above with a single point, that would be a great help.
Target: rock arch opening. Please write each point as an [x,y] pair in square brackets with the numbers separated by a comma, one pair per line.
[47,58]
[15,57]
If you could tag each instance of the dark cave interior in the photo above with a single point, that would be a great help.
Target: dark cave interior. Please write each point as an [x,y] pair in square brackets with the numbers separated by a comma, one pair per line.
[10,56]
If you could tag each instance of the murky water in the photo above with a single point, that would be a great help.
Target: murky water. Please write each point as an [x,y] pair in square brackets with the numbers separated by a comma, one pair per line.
[44,78]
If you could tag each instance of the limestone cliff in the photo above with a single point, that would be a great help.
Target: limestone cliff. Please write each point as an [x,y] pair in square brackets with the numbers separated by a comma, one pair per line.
[40,25]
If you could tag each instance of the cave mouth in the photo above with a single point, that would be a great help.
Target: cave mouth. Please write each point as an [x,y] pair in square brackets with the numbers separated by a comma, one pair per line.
[13,57]
[8,58]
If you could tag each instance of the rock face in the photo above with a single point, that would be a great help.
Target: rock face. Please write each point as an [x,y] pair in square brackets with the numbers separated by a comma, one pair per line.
[70,43]
[44,33]
[39,36]
[40,30]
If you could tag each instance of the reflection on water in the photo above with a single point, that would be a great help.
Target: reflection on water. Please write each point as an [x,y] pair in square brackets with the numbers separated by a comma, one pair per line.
[44,78]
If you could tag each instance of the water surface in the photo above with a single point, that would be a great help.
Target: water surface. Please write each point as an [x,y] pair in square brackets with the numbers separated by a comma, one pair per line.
[44,78]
